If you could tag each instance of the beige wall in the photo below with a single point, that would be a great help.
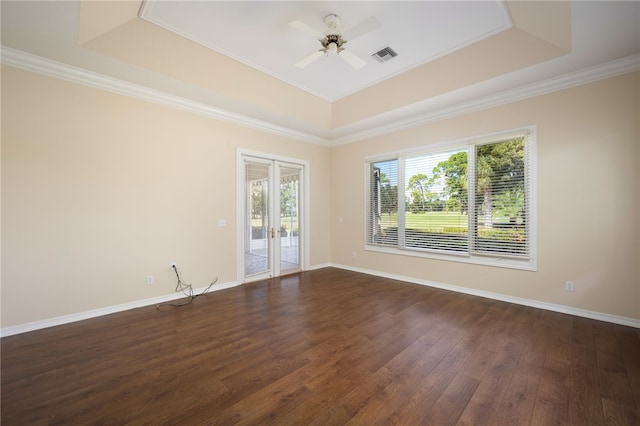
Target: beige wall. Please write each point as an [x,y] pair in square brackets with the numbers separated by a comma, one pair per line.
[101,190]
[588,199]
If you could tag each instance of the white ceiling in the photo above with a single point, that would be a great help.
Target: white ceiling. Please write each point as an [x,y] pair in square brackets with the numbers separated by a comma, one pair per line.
[602,33]
[257,33]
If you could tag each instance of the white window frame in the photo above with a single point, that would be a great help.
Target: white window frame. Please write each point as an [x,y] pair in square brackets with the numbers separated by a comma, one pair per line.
[529,263]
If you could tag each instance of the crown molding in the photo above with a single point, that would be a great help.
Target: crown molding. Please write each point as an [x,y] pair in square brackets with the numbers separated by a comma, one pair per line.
[29,62]
[566,81]
[48,67]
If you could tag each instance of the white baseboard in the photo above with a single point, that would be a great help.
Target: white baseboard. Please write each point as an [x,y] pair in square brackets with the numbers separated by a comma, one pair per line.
[600,316]
[65,319]
[314,267]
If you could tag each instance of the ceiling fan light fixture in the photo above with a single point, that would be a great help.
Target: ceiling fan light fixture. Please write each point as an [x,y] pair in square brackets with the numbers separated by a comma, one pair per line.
[332,21]
[332,41]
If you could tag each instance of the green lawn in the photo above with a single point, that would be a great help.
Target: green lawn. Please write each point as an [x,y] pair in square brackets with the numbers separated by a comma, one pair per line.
[438,229]
[285,222]
[428,221]
[435,221]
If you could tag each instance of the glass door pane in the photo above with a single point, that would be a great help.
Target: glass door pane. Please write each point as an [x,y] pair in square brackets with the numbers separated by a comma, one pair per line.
[289,224]
[258,248]
[272,227]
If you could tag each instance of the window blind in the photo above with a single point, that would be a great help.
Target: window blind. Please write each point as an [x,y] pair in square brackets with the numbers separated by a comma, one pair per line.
[502,194]
[474,199]
[436,201]
[382,218]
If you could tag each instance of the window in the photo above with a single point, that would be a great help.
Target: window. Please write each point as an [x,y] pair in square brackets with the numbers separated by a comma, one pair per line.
[470,201]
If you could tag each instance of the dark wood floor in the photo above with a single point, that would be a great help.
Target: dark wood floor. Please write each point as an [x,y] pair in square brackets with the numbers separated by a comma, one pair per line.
[326,347]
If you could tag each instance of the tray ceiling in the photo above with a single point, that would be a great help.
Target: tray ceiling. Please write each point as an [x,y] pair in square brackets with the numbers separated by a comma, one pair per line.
[235,60]
[257,34]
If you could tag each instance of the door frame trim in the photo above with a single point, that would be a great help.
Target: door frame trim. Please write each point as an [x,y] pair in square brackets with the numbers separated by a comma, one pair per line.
[240,207]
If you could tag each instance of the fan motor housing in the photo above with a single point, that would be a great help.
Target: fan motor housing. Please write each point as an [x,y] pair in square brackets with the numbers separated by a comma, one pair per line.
[332,38]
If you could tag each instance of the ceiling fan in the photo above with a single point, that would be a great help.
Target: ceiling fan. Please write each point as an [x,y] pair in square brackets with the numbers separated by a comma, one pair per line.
[333,40]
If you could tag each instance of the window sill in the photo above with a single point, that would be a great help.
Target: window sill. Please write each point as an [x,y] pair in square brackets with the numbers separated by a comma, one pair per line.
[494,261]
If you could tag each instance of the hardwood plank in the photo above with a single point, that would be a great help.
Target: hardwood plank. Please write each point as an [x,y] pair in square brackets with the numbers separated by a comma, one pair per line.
[446,385]
[401,373]
[613,375]
[619,415]
[629,345]
[400,392]
[488,395]
[520,395]
[325,347]
[585,403]
[449,407]
[552,402]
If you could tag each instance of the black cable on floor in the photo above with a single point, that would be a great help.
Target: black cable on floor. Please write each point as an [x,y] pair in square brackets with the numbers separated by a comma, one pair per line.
[187,290]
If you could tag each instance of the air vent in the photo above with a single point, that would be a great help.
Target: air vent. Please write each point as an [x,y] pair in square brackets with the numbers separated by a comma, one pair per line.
[383,55]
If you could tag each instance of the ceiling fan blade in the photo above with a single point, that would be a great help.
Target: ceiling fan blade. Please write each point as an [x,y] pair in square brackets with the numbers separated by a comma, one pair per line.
[352,59]
[306,29]
[364,27]
[306,61]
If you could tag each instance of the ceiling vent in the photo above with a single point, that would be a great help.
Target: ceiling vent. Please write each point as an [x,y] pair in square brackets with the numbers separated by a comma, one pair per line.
[383,55]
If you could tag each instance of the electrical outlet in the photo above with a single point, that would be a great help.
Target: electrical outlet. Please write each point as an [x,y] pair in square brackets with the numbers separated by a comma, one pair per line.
[149,279]
[568,285]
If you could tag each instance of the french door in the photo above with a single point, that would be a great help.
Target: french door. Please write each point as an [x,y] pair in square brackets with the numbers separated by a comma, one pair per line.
[272,225]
